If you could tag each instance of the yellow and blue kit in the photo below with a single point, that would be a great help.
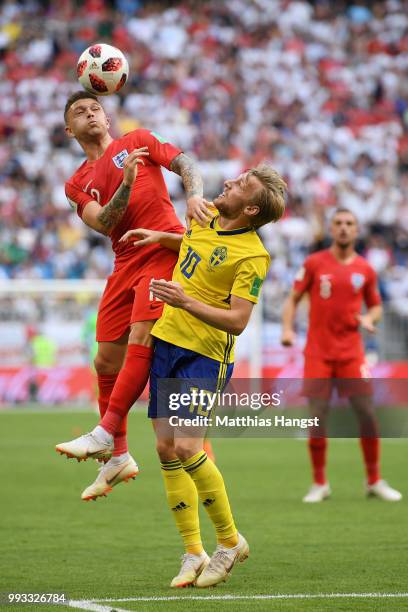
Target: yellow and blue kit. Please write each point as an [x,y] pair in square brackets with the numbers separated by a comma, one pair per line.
[213,265]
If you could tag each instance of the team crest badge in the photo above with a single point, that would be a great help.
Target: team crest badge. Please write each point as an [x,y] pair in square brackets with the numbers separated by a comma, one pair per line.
[218,256]
[357,280]
[120,158]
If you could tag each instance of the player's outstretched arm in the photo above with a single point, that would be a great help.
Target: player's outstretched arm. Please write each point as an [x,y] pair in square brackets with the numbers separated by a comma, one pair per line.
[104,218]
[193,184]
[232,320]
[144,237]
[288,318]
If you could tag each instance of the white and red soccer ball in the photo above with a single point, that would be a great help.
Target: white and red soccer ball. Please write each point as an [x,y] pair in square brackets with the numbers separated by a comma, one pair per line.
[102,69]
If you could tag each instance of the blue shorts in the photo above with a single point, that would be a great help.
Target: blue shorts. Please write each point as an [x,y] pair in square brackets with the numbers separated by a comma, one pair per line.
[186,373]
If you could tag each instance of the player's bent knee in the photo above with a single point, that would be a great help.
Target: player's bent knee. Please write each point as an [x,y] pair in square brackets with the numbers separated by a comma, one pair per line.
[186,448]
[106,365]
[140,333]
[165,450]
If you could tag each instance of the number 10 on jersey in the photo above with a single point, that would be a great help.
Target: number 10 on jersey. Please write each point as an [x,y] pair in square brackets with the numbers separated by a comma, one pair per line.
[189,263]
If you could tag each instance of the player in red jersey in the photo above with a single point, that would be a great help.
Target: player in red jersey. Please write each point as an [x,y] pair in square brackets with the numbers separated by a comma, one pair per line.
[120,187]
[338,281]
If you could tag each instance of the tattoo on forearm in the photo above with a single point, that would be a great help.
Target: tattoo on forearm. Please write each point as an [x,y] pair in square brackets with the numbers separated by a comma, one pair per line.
[187,169]
[112,213]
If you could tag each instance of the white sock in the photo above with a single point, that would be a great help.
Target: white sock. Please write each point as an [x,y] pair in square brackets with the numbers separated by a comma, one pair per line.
[119,459]
[102,435]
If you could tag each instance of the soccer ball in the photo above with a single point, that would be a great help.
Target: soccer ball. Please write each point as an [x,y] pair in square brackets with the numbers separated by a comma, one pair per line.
[102,69]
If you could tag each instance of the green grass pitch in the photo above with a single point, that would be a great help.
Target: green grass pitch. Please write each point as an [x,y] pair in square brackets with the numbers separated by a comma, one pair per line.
[126,545]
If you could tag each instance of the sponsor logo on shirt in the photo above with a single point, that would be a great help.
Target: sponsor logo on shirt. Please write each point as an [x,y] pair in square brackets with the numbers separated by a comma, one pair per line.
[357,280]
[119,159]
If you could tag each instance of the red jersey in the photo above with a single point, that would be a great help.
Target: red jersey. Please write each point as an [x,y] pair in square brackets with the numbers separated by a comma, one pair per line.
[149,203]
[336,292]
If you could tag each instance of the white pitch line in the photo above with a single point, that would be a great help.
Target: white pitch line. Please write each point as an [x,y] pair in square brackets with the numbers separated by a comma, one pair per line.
[94,607]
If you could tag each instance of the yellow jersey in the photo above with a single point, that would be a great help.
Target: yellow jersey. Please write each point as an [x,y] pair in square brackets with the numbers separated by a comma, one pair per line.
[213,264]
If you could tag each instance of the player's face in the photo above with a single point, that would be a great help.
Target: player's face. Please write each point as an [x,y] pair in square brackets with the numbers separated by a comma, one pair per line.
[86,120]
[237,195]
[344,229]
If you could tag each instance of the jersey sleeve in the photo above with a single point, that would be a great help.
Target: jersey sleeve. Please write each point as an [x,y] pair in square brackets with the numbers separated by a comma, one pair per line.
[304,277]
[77,198]
[161,152]
[371,293]
[249,277]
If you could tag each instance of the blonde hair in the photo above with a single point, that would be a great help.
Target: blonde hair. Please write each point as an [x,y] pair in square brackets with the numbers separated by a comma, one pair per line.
[270,198]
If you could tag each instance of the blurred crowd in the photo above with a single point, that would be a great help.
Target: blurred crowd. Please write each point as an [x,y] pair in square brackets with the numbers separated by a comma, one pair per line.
[318,89]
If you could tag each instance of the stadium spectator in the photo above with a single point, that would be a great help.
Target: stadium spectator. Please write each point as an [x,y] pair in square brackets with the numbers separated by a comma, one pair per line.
[317,89]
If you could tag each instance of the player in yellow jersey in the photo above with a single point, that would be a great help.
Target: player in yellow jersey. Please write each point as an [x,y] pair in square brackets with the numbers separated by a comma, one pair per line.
[216,282]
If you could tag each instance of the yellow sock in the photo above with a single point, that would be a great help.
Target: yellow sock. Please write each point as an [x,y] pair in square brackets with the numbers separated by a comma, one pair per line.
[183,502]
[211,490]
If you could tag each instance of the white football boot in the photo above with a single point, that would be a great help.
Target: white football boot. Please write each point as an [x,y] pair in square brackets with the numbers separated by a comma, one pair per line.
[85,446]
[222,562]
[382,489]
[109,476]
[317,493]
[191,568]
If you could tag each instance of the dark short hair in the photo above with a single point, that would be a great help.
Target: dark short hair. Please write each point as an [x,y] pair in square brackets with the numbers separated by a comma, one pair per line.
[343,209]
[270,198]
[78,95]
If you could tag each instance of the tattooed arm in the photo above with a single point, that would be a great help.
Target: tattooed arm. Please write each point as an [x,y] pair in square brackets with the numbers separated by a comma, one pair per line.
[193,185]
[104,218]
